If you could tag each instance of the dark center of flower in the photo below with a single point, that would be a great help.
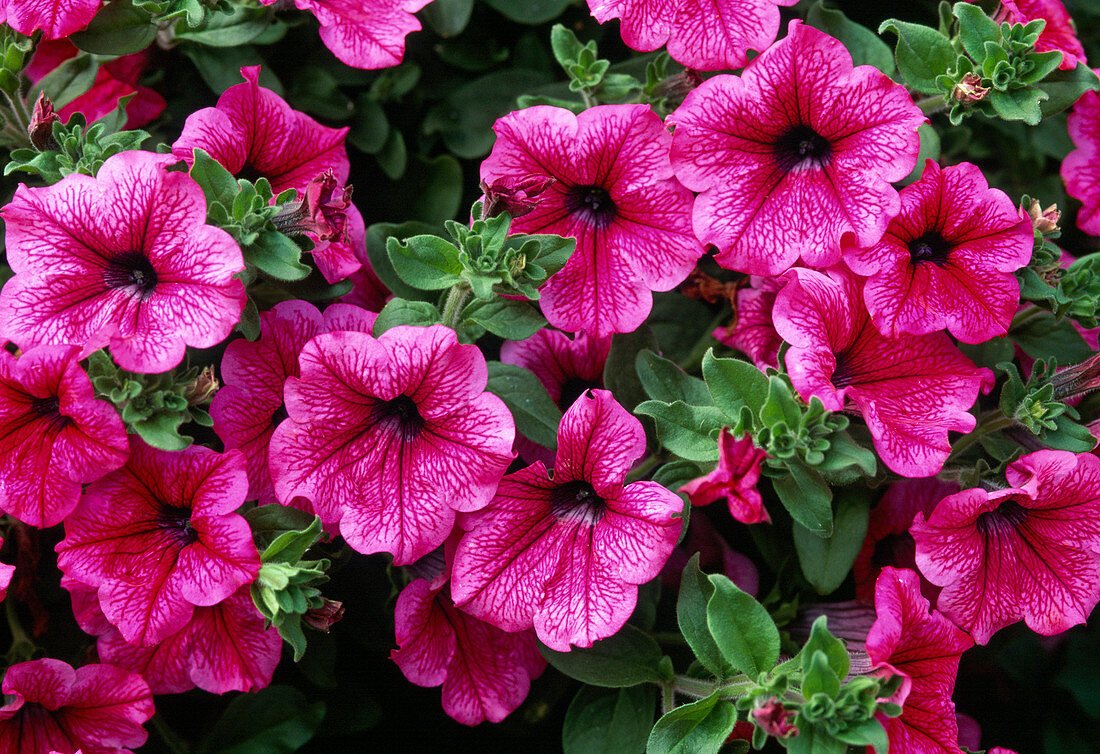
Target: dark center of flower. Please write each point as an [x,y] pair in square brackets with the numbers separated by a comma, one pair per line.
[572,389]
[279,416]
[249,172]
[802,148]
[177,519]
[48,406]
[131,270]
[843,375]
[931,247]
[401,415]
[592,203]
[1007,515]
[577,501]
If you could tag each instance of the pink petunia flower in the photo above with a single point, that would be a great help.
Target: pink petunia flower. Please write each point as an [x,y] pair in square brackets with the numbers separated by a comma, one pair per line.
[752,332]
[709,35]
[55,19]
[114,79]
[567,555]
[1081,167]
[911,390]
[794,155]
[947,260]
[249,407]
[1059,34]
[98,709]
[367,289]
[924,648]
[6,572]
[54,434]
[485,672]
[364,33]
[734,478]
[253,133]
[124,259]
[888,541]
[614,192]
[1029,552]
[391,436]
[159,537]
[224,647]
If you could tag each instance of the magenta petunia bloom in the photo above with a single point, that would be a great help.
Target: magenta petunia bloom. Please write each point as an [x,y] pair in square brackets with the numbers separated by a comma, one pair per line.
[947,260]
[392,436]
[253,133]
[54,434]
[55,19]
[734,478]
[114,80]
[795,155]
[614,192]
[923,647]
[249,407]
[911,390]
[752,332]
[124,260]
[222,648]
[98,709]
[159,537]
[888,541]
[1059,34]
[567,555]
[709,35]
[1081,167]
[364,33]
[1029,552]
[485,672]
[6,572]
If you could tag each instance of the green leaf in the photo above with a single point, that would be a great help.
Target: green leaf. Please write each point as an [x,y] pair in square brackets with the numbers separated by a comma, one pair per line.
[393,157]
[665,381]
[1069,435]
[425,262]
[619,374]
[845,460]
[605,721]
[922,54]
[742,629]
[269,521]
[806,497]
[565,45]
[377,237]
[220,68]
[780,405]
[275,720]
[217,183]
[734,383]
[240,26]
[688,431]
[1019,104]
[826,562]
[118,28]
[432,191]
[1043,336]
[833,648]
[277,255]
[448,17]
[818,677]
[867,733]
[161,430]
[814,739]
[531,12]
[536,416]
[505,318]
[1063,88]
[691,615]
[290,546]
[68,81]
[862,43]
[697,728]
[628,658]
[975,29]
[315,90]
[399,311]
[369,125]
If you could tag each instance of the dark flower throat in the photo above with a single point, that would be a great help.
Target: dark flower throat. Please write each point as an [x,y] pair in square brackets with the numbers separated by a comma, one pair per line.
[802,148]
[131,270]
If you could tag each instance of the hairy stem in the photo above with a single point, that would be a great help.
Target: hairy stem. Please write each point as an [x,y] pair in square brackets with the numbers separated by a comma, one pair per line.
[452,307]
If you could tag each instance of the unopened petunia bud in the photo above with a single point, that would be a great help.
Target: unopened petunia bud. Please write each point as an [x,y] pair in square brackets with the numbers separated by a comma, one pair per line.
[970,89]
[321,211]
[775,719]
[516,197]
[202,388]
[41,127]
[322,618]
[1078,379]
[1044,220]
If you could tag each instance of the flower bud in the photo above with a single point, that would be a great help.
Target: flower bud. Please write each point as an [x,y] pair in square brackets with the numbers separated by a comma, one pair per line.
[775,719]
[970,89]
[202,388]
[1044,220]
[322,618]
[41,127]
[516,197]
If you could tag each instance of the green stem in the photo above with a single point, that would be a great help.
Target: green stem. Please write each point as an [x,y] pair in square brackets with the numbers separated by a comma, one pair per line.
[697,688]
[452,307]
[589,100]
[694,359]
[171,739]
[18,633]
[992,421]
[642,470]
[21,116]
[668,698]
[933,104]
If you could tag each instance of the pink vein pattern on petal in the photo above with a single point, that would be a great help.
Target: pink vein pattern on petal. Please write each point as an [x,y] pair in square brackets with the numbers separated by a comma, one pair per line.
[947,260]
[365,33]
[159,536]
[1059,33]
[911,390]
[566,556]
[1081,167]
[56,18]
[391,436]
[124,259]
[485,672]
[1029,552]
[795,155]
[54,434]
[614,192]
